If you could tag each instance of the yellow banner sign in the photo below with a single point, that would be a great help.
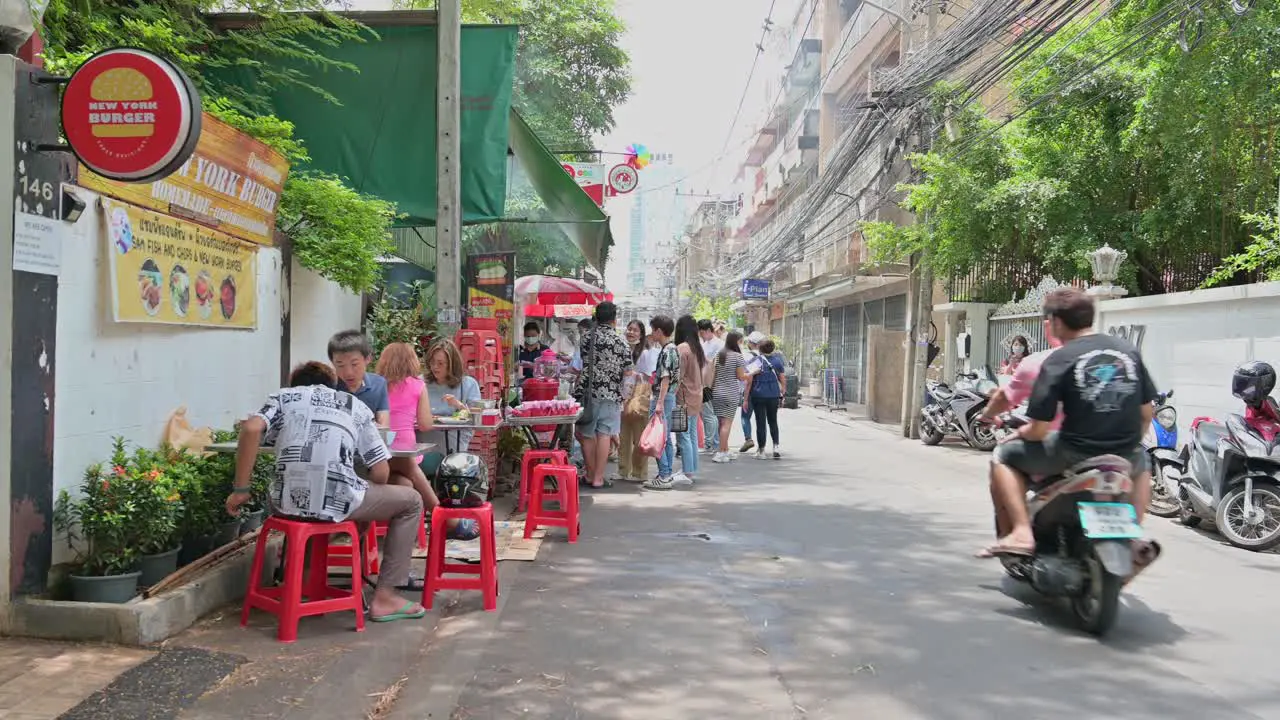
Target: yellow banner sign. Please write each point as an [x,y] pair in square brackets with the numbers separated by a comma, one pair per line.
[232,183]
[170,271]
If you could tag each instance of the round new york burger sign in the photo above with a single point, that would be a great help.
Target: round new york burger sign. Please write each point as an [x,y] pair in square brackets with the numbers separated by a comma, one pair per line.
[130,115]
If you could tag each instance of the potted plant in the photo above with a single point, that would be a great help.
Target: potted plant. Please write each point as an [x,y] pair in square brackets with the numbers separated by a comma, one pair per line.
[99,527]
[204,483]
[158,505]
[254,512]
[819,364]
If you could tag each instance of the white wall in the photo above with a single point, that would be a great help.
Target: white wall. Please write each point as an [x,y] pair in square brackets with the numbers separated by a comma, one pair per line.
[319,308]
[1192,341]
[126,378]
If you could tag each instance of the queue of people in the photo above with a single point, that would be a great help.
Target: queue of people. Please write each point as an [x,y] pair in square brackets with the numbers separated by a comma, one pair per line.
[690,373]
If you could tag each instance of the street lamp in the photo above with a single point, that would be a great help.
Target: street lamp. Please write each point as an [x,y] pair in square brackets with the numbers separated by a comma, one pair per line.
[1105,262]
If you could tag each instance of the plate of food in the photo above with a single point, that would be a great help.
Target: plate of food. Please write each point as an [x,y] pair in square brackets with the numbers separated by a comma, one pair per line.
[204,295]
[180,290]
[461,417]
[150,282]
[491,272]
[228,297]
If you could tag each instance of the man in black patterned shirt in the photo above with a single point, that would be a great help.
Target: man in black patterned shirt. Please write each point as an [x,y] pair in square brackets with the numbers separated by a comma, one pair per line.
[606,361]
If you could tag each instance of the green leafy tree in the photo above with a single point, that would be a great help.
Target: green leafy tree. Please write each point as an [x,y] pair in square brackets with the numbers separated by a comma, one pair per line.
[570,70]
[336,231]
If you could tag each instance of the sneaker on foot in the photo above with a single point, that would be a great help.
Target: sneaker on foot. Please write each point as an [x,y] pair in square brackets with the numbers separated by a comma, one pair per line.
[706,451]
[777,452]
[681,480]
[721,458]
[658,483]
[760,455]
[746,446]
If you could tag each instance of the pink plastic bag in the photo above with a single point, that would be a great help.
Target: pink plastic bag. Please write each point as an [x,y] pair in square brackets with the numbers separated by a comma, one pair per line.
[654,437]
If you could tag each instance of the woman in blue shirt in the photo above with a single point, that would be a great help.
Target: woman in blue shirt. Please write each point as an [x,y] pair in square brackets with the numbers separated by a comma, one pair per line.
[450,389]
[765,382]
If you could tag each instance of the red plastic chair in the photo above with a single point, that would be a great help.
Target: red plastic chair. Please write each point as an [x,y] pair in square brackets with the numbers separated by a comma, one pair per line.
[482,577]
[531,458]
[380,531]
[566,493]
[286,601]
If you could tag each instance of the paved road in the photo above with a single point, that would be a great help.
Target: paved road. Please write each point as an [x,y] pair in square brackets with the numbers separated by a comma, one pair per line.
[838,583]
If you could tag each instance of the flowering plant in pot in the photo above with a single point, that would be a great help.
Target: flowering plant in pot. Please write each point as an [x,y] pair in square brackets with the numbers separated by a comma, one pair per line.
[204,483]
[159,505]
[100,528]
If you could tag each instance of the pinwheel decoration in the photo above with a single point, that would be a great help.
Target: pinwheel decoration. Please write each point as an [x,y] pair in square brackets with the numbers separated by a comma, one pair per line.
[638,156]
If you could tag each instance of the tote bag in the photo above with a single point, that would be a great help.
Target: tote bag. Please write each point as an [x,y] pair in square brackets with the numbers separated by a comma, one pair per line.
[654,438]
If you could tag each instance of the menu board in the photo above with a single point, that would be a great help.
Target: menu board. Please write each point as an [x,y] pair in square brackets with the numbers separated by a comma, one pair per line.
[165,270]
[491,282]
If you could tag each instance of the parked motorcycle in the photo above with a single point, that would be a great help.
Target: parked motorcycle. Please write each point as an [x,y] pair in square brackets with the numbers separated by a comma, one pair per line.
[1167,466]
[1232,475]
[955,410]
[1084,526]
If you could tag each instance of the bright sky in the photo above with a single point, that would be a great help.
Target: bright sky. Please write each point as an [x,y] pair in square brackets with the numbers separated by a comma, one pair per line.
[690,60]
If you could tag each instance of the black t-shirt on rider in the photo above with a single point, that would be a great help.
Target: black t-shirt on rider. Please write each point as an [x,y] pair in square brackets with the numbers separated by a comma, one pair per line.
[1102,385]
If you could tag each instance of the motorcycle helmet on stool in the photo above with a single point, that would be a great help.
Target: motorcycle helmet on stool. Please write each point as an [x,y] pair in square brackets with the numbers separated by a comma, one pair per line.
[462,481]
[1253,382]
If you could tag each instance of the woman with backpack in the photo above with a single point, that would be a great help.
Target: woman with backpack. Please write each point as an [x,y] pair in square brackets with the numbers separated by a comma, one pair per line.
[765,381]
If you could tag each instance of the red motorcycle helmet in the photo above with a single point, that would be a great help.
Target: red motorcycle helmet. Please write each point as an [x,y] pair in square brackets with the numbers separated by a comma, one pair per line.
[1253,382]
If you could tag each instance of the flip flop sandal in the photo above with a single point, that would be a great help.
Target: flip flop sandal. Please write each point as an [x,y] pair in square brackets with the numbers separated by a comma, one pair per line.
[607,484]
[401,614]
[996,551]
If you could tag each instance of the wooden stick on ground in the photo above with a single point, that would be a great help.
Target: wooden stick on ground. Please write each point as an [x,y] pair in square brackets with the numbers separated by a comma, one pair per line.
[184,574]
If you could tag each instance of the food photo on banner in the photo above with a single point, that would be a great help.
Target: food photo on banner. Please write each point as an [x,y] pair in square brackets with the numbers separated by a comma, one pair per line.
[491,281]
[231,183]
[165,270]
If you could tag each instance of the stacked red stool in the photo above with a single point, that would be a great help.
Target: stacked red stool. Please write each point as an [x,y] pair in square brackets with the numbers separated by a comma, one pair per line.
[565,493]
[287,602]
[482,577]
[527,463]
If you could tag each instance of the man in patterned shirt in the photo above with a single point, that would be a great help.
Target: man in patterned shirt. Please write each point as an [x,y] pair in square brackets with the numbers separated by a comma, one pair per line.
[319,432]
[606,361]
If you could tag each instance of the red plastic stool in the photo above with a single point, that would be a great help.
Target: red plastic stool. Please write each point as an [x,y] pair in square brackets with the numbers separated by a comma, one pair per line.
[532,457]
[380,531]
[370,550]
[566,492]
[482,577]
[286,601]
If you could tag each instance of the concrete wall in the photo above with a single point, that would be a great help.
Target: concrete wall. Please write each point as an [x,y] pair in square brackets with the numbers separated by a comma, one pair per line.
[126,378]
[318,309]
[886,358]
[1192,341]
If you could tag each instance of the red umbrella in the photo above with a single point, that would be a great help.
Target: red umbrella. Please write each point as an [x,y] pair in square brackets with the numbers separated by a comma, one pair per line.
[547,290]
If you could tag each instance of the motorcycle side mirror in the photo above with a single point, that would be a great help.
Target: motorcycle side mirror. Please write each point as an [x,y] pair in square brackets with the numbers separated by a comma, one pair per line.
[1168,395]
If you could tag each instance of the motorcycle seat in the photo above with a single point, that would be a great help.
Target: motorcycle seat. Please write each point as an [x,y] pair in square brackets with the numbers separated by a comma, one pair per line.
[1208,435]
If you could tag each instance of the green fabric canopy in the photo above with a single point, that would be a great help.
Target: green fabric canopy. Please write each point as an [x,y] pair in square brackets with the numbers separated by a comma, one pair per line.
[382,137]
[568,206]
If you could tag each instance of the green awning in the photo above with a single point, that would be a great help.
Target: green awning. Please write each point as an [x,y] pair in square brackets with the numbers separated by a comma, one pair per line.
[567,206]
[382,137]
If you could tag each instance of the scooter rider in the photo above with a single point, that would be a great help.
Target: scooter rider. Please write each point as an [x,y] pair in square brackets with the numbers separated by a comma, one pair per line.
[1106,398]
[1011,396]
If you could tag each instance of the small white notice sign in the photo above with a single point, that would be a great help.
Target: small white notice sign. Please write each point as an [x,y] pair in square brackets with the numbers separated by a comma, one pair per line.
[37,243]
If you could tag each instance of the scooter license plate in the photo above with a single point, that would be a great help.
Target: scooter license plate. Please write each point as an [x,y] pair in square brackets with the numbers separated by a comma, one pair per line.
[1109,520]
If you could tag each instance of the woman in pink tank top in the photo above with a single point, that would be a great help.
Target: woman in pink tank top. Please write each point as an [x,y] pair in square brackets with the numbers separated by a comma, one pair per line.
[410,411]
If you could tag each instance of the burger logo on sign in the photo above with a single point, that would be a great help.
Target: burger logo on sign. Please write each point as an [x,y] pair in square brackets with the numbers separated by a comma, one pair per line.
[623,179]
[131,116]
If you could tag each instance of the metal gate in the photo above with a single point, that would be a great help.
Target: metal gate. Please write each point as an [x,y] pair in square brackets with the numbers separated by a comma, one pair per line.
[811,336]
[844,343]
[1002,330]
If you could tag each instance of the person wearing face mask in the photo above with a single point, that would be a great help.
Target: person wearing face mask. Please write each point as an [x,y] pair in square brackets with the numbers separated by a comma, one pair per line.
[532,347]
[1019,348]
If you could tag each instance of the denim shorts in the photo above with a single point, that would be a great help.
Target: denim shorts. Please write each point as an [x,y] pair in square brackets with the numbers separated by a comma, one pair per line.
[607,420]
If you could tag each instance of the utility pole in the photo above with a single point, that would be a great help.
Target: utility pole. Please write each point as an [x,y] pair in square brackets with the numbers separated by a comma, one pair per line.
[922,268]
[448,157]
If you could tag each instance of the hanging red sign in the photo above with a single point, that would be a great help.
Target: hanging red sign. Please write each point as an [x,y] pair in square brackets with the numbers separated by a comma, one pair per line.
[131,116]
[623,179]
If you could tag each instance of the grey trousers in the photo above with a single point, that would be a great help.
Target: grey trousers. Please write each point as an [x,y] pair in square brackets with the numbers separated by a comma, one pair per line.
[400,507]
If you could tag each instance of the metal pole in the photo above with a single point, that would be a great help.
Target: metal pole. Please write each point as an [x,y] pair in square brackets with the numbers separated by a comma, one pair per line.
[448,157]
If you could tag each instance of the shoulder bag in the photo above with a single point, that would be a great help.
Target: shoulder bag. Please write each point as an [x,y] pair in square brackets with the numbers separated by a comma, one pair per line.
[583,392]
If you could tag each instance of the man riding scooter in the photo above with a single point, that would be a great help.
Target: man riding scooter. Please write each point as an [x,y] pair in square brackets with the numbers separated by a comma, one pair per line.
[1105,395]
